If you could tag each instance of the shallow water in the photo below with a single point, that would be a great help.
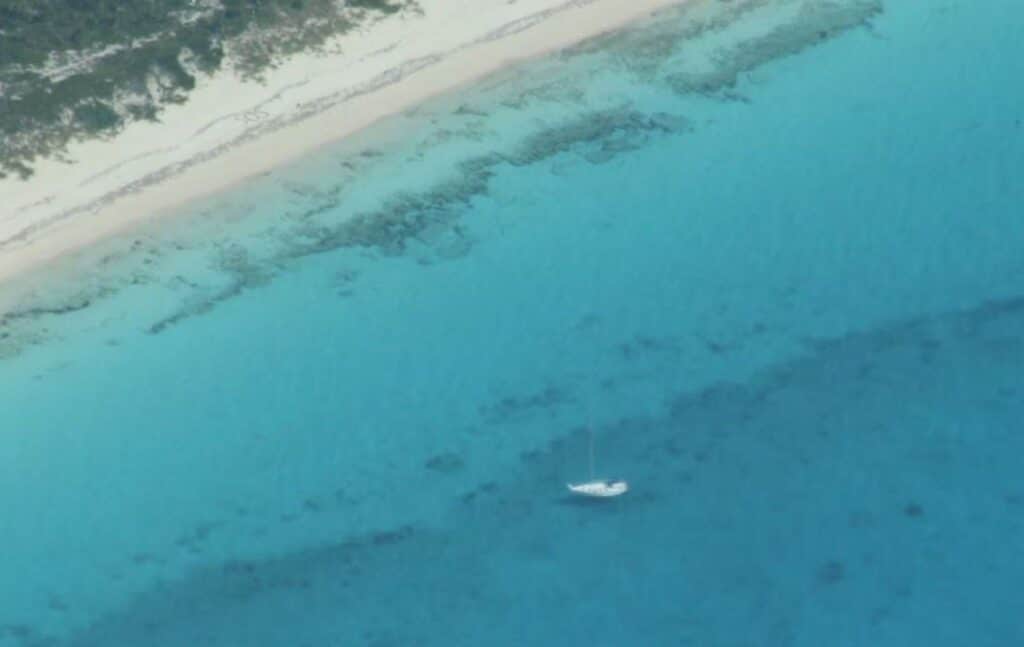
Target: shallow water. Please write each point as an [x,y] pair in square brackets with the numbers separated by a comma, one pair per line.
[771,256]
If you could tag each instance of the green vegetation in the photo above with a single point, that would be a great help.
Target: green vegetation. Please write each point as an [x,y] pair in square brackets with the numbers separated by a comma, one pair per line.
[84,68]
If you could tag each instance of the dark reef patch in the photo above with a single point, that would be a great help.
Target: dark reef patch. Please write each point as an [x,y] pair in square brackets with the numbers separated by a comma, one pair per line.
[651,53]
[913,510]
[446,463]
[513,408]
[75,304]
[641,344]
[815,23]
[830,573]
[160,615]
[243,275]
[431,217]
[25,327]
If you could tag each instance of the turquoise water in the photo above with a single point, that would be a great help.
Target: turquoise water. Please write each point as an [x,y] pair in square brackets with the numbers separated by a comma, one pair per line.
[339,406]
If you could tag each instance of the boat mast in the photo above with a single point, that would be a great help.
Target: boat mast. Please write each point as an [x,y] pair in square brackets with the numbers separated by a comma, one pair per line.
[590,445]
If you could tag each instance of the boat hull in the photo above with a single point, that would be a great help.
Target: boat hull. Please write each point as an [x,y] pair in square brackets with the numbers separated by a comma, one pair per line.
[600,489]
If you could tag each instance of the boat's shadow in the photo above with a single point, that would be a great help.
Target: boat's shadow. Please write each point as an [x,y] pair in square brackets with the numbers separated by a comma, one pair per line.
[577,501]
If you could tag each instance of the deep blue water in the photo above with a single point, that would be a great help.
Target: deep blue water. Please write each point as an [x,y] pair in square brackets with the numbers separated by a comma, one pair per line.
[790,309]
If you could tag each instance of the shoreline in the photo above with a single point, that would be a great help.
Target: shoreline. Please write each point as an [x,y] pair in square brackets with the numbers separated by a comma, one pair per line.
[152,170]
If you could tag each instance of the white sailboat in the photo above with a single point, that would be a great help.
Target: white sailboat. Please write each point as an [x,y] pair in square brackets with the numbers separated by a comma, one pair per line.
[597,487]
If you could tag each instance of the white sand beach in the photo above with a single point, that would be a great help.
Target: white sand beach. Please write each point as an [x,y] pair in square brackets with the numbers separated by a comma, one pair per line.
[230,130]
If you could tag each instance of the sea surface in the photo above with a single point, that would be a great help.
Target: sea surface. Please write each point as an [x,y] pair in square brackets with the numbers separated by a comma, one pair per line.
[764,257]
